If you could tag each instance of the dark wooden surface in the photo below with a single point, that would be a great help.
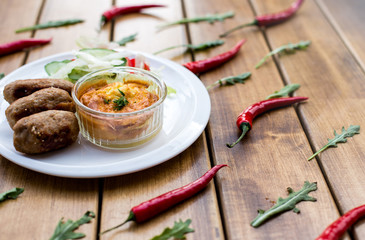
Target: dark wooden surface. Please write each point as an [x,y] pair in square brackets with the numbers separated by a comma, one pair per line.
[271,157]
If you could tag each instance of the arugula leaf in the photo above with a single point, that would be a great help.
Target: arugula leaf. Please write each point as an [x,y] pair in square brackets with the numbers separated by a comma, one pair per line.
[211,18]
[288,48]
[50,24]
[11,194]
[2,75]
[198,47]
[127,39]
[64,230]
[286,204]
[339,138]
[285,91]
[178,231]
[231,80]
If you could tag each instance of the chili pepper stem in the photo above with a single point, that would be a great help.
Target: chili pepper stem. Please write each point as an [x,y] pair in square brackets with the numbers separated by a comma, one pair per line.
[245,128]
[131,217]
[254,22]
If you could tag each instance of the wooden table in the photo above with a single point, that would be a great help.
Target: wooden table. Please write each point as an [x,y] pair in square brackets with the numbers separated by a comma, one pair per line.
[271,157]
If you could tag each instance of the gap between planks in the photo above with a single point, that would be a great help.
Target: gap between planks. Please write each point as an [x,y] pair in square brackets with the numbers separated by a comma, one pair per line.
[332,22]
[297,111]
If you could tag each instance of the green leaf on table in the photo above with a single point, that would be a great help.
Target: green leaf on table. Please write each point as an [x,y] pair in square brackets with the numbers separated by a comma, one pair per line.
[231,80]
[286,204]
[65,230]
[127,39]
[198,47]
[178,231]
[339,138]
[11,194]
[285,91]
[288,48]
[2,75]
[211,18]
[50,24]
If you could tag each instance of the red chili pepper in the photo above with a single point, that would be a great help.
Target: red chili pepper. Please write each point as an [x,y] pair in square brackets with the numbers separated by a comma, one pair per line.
[117,11]
[154,206]
[19,45]
[270,19]
[209,63]
[132,63]
[339,227]
[244,120]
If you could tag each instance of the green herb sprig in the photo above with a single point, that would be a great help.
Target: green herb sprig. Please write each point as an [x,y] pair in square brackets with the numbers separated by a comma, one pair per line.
[50,24]
[286,204]
[121,101]
[178,231]
[231,80]
[285,91]
[2,75]
[339,138]
[288,48]
[127,39]
[11,194]
[195,48]
[65,230]
[211,18]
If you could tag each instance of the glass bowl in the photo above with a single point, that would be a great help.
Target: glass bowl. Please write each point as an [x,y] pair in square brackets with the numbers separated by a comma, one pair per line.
[116,130]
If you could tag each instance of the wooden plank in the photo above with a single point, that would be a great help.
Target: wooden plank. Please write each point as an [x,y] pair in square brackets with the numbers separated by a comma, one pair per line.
[9,10]
[347,18]
[332,78]
[47,199]
[273,155]
[124,192]
[64,38]
[43,203]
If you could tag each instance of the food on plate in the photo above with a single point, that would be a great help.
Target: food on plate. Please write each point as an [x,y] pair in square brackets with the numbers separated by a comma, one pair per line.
[88,60]
[22,88]
[45,131]
[42,100]
[120,107]
[119,97]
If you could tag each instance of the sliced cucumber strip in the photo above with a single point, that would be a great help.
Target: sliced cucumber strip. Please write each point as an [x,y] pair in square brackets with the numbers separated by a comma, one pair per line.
[77,73]
[52,67]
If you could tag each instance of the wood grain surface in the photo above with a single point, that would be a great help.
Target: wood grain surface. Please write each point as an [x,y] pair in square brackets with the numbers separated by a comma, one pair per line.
[270,158]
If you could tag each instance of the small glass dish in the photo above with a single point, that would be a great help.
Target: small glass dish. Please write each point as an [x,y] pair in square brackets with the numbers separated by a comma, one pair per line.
[120,130]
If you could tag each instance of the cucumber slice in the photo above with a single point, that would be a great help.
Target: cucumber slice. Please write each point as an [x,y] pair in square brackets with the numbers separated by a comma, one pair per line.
[77,73]
[52,67]
[97,52]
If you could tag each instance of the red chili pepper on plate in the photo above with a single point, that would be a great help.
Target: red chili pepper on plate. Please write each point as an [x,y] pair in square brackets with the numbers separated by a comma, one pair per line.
[154,206]
[339,227]
[269,19]
[117,11]
[244,120]
[209,63]
[19,45]
[131,62]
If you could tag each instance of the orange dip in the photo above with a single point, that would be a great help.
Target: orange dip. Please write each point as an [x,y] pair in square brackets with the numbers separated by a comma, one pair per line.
[102,97]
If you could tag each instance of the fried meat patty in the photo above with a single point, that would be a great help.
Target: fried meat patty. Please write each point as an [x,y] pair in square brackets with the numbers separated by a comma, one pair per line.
[45,131]
[22,88]
[42,100]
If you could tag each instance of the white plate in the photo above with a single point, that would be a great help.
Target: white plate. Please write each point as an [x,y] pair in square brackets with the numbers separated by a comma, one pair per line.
[185,117]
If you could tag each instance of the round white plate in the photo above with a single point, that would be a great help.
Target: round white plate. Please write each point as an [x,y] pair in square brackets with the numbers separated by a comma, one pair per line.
[186,114]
